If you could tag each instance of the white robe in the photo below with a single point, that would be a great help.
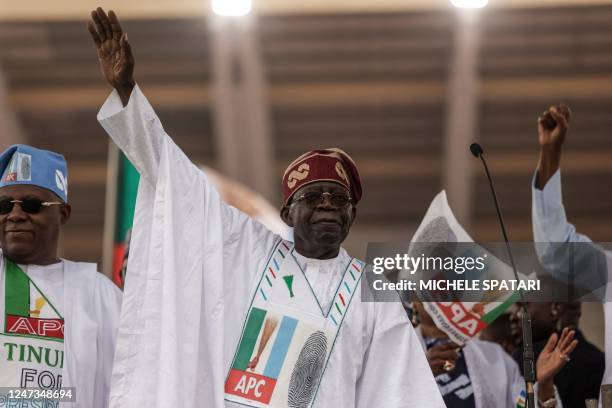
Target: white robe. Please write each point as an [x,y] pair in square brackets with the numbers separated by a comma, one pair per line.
[495,376]
[91,313]
[550,225]
[193,265]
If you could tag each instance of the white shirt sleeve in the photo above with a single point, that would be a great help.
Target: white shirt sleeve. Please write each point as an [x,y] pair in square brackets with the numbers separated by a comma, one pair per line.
[552,232]
[107,306]
[395,372]
[136,129]
[548,214]
[138,132]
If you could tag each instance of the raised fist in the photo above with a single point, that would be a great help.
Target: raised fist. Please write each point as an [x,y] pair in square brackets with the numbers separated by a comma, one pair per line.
[553,125]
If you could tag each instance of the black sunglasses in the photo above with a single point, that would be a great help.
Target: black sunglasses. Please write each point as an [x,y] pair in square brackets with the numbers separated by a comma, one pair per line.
[28,205]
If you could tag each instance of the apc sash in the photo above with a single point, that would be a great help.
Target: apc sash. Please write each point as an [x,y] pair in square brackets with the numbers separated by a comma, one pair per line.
[287,338]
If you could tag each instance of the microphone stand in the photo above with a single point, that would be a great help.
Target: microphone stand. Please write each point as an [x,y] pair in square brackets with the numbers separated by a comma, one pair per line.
[528,366]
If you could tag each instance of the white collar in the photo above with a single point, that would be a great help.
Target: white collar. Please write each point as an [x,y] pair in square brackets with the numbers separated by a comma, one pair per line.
[302,260]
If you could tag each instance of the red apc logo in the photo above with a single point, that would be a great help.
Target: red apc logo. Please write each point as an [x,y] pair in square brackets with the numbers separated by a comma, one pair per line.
[11,177]
[31,326]
[463,319]
[251,386]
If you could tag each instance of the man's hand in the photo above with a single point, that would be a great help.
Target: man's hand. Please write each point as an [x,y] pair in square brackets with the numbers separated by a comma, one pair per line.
[552,359]
[553,125]
[114,52]
[253,363]
[441,356]
[552,129]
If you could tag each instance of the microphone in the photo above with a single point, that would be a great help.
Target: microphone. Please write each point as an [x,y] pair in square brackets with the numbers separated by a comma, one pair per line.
[528,367]
[476,149]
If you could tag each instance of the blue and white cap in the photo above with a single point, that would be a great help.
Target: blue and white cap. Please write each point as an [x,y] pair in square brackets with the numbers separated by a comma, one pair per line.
[22,164]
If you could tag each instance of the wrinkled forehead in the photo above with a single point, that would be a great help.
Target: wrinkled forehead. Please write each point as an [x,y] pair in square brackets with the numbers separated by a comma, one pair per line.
[19,191]
[322,187]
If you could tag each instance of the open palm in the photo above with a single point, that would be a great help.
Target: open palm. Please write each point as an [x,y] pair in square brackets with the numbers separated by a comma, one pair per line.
[555,355]
[114,51]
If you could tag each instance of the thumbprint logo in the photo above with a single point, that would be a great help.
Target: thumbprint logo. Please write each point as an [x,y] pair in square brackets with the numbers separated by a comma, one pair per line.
[307,371]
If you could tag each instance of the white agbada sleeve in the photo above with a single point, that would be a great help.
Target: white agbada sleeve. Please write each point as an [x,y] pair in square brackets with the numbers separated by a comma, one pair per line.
[395,369]
[550,224]
[107,306]
[548,214]
[187,271]
[551,230]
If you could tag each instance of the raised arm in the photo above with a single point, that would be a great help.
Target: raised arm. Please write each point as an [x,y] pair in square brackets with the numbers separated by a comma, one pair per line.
[553,125]
[126,115]
[268,331]
[551,229]
[131,122]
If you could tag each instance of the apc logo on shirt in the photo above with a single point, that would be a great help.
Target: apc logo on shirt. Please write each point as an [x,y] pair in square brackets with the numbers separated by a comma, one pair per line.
[30,326]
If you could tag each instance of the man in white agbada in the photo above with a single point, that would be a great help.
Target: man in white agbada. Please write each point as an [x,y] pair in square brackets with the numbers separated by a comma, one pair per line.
[220,312]
[550,224]
[58,318]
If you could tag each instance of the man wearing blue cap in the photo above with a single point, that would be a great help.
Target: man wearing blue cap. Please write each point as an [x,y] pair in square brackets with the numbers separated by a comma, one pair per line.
[57,318]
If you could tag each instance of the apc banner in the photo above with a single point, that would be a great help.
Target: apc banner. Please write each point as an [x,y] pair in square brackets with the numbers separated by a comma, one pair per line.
[460,320]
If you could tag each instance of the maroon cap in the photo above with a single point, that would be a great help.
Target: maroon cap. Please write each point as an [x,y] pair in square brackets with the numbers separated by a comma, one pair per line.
[322,165]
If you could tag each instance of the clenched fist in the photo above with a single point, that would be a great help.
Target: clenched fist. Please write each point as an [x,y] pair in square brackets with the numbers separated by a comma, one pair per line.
[552,129]
[553,125]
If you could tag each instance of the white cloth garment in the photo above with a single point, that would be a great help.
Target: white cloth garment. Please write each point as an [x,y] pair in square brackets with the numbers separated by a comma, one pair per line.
[193,266]
[495,376]
[90,305]
[550,225]
[46,299]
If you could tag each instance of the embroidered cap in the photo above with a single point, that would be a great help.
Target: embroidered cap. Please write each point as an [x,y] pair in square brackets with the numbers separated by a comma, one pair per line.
[331,164]
[22,164]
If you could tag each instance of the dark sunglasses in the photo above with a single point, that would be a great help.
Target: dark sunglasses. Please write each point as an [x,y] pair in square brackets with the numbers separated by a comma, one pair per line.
[28,205]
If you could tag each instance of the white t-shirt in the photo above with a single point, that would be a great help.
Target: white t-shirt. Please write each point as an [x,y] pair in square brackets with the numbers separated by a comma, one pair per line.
[31,326]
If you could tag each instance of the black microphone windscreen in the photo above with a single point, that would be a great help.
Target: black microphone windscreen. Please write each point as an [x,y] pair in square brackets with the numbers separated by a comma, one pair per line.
[476,149]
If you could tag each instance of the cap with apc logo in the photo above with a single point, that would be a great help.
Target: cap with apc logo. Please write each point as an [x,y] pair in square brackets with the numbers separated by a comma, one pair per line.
[22,164]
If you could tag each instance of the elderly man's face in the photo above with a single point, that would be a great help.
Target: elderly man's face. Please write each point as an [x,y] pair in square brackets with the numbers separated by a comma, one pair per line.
[320,228]
[31,238]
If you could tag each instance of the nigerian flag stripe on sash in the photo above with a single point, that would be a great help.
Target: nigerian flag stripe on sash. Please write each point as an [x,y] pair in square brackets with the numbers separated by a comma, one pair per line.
[17,292]
[251,332]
